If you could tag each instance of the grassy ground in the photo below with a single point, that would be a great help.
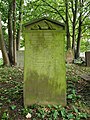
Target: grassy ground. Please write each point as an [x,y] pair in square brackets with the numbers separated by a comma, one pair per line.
[11,97]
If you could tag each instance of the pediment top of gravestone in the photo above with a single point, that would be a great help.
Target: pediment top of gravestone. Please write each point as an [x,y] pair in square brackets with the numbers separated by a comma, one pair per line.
[42,19]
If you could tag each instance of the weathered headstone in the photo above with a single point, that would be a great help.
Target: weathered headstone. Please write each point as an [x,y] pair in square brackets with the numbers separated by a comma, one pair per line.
[69,56]
[44,70]
[87,58]
[20,58]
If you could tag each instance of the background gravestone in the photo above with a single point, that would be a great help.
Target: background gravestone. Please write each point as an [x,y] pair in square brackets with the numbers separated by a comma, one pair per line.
[44,70]
[87,58]
[69,56]
[20,58]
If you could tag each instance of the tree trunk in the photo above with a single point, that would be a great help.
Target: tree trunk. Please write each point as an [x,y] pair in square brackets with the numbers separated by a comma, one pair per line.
[67,27]
[79,38]
[14,32]
[74,11]
[79,31]
[3,48]
[19,27]
[10,34]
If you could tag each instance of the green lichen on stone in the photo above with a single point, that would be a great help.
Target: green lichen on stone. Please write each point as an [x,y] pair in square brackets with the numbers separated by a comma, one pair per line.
[44,71]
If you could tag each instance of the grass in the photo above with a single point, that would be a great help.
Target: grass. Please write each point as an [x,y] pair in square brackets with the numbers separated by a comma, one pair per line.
[11,97]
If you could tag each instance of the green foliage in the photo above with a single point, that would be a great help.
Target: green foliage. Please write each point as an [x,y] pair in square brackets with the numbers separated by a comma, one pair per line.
[5,115]
[85,45]
[73,95]
[1,61]
[11,102]
[13,107]
[25,111]
[22,43]
[54,9]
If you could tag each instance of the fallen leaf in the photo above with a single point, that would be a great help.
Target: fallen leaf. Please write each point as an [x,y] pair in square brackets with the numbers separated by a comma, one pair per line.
[28,115]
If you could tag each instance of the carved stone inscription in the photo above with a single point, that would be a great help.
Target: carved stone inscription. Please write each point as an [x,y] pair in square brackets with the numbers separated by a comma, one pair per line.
[44,40]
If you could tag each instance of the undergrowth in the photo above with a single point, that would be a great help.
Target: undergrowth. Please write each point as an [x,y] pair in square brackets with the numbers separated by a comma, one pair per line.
[11,98]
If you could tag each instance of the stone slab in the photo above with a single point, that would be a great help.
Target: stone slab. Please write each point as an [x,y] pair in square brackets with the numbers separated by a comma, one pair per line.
[44,67]
[20,58]
[87,57]
[69,56]
[86,77]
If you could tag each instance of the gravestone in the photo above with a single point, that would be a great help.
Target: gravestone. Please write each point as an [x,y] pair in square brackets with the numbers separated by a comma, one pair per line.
[20,58]
[44,63]
[87,58]
[69,56]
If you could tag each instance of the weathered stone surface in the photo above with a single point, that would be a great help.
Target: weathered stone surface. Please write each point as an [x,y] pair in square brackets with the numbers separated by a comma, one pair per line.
[87,57]
[69,56]
[20,58]
[44,70]
[86,77]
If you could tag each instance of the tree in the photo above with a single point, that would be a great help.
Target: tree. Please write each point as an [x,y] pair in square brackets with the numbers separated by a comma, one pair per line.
[75,15]
[10,30]
[70,12]
[74,7]
[67,26]
[79,30]
[13,32]
[19,25]
[3,48]
[84,13]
